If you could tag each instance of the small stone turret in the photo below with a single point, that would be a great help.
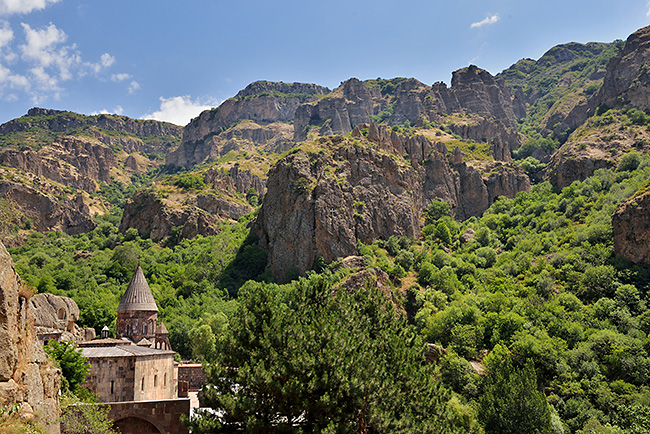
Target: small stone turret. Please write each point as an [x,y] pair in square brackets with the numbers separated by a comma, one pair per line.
[137,314]
[162,338]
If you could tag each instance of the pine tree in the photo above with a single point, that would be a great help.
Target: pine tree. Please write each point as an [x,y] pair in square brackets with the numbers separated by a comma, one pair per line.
[511,403]
[309,358]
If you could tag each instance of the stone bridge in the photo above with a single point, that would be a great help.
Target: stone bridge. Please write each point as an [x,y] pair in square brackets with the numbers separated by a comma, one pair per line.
[150,417]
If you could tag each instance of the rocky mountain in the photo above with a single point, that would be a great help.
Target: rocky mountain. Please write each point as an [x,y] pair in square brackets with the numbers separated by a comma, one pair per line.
[330,193]
[473,91]
[27,376]
[53,164]
[549,92]
[268,109]
[612,121]
[166,210]
[40,126]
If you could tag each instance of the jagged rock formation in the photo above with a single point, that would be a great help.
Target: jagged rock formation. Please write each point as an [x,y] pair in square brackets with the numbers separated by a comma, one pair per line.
[269,106]
[137,135]
[323,201]
[27,376]
[72,161]
[236,180]
[631,225]
[57,315]
[473,91]
[160,216]
[627,80]
[48,212]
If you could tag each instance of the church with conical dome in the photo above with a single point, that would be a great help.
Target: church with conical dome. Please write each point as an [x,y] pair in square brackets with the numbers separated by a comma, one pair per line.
[137,314]
[139,364]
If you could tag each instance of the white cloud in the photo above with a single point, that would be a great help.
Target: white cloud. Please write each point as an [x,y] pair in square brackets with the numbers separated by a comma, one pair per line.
[133,87]
[490,19]
[118,110]
[120,77]
[8,7]
[179,110]
[6,34]
[647,5]
[44,48]
[107,60]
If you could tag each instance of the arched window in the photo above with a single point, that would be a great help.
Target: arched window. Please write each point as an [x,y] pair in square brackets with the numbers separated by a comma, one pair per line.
[112,384]
[165,380]
[142,384]
[155,381]
[61,313]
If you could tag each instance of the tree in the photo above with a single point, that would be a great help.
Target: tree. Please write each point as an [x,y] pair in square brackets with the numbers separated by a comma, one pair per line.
[511,403]
[436,210]
[309,358]
[74,366]
[442,232]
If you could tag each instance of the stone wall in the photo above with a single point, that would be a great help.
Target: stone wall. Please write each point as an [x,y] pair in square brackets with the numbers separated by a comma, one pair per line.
[112,379]
[154,377]
[193,375]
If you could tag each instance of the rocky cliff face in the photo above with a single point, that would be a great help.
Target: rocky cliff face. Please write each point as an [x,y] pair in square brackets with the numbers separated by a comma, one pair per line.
[72,161]
[599,144]
[27,376]
[48,212]
[269,107]
[345,190]
[627,79]
[235,180]
[632,229]
[246,136]
[160,216]
[473,90]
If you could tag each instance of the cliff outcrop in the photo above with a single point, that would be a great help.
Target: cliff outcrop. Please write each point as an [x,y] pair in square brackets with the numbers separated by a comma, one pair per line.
[269,107]
[336,191]
[627,79]
[160,216]
[72,161]
[47,211]
[631,226]
[54,315]
[27,376]
[473,91]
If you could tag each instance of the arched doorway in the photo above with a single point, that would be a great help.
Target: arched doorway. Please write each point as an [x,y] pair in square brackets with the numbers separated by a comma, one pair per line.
[135,425]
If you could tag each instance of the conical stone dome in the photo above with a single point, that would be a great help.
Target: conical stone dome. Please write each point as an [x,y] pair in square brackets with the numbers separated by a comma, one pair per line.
[138,295]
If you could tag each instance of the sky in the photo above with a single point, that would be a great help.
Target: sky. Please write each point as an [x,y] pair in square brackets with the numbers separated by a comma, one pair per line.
[170,60]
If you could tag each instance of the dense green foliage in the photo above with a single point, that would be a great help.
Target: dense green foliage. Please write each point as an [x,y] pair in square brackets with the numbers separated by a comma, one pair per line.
[74,366]
[535,276]
[191,281]
[309,358]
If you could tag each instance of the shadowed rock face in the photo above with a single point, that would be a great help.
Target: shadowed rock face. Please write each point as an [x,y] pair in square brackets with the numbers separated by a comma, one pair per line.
[631,225]
[627,79]
[358,189]
[48,212]
[26,374]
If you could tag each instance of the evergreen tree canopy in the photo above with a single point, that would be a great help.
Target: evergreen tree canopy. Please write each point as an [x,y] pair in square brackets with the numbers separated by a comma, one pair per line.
[310,358]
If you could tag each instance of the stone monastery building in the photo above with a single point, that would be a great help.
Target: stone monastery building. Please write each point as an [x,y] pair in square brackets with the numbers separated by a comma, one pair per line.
[139,364]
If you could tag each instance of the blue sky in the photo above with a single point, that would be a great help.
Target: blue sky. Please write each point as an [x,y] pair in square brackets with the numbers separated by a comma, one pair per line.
[169,60]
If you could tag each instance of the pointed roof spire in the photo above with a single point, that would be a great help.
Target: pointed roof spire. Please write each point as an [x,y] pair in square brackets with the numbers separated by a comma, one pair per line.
[138,296]
[161,329]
